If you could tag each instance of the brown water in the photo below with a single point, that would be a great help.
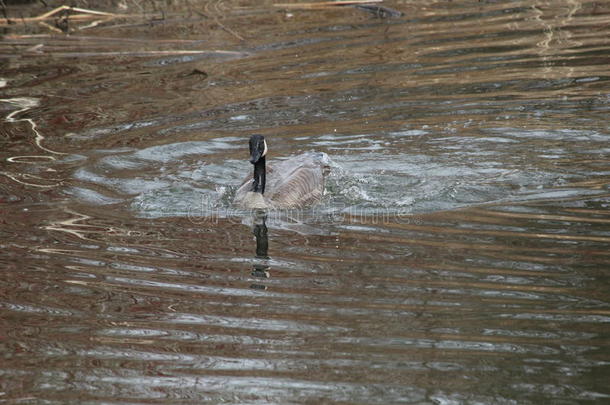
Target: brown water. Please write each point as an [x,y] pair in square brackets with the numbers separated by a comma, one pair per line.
[460,255]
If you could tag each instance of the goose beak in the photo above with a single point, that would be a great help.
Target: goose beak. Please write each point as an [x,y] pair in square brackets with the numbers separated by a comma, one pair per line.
[255,157]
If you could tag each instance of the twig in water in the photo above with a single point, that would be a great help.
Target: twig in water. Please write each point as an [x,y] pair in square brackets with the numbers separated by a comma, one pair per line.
[4,12]
[77,9]
[221,25]
[49,26]
[229,30]
[84,14]
[365,5]
[325,4]
[36,51]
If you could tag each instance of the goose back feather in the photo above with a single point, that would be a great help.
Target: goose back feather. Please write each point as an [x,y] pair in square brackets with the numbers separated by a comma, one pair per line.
[292,183]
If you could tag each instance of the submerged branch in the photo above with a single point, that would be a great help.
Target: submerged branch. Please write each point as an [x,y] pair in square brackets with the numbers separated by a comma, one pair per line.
[83,14]
[324,4]
[370,6]
[37,51]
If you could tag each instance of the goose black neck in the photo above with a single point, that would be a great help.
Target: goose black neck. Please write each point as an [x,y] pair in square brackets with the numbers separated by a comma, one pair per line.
[259,176]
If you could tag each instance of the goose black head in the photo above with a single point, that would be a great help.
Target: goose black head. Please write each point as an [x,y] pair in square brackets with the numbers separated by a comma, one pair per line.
[258,148]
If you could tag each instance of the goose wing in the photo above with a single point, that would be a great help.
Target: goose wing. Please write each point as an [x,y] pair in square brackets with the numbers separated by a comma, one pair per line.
[299,187]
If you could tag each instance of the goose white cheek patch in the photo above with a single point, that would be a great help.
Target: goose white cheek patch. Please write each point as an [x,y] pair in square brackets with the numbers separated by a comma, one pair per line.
[265,151]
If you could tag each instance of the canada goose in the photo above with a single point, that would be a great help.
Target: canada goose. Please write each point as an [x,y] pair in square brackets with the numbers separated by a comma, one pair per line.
[291,183]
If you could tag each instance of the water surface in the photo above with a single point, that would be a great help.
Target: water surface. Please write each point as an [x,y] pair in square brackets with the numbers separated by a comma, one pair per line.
[459,256]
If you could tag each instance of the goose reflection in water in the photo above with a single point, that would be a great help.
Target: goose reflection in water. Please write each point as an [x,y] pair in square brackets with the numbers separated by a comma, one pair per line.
[260,268]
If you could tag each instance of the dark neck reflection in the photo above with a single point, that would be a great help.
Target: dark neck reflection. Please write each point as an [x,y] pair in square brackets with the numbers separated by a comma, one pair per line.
[260,268]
